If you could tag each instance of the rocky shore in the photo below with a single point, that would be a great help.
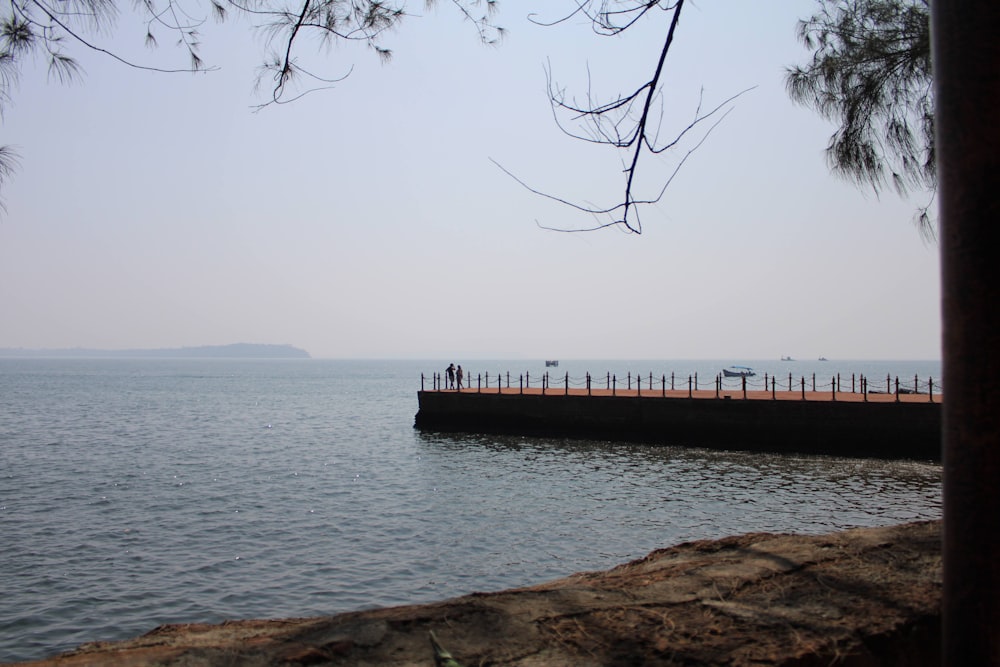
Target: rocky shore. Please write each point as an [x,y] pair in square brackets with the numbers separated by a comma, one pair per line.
[861,597]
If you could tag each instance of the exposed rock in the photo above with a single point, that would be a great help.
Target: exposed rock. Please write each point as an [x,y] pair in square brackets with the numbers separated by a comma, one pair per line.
[860,598]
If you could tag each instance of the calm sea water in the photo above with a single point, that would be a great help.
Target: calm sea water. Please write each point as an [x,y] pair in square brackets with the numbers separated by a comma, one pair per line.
[135,493]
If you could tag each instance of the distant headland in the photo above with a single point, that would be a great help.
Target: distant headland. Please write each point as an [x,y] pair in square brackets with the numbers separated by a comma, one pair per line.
[233,351]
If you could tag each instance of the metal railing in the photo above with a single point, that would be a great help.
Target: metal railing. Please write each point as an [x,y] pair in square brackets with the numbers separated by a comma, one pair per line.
[723,386]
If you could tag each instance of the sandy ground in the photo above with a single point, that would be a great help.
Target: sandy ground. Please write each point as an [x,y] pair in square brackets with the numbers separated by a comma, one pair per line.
[860,598]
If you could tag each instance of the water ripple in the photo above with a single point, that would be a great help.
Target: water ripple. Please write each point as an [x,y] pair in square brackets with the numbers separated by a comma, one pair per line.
[139,493]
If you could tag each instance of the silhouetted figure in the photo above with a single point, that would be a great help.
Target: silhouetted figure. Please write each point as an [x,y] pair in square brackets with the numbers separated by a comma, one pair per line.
[450,373]
[459,374]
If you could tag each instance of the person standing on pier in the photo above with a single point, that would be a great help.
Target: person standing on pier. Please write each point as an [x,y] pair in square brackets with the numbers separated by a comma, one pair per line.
[460,374]
[450,372]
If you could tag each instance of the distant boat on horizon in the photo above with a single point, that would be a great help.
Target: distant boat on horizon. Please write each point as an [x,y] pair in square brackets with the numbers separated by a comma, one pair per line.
[822,359]
[787,359]
[551,362]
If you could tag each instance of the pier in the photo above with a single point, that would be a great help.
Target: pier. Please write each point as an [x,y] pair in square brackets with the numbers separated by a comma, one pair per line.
[887,419]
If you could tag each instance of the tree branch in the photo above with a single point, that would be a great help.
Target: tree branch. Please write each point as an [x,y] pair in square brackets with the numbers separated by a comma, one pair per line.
[626,123]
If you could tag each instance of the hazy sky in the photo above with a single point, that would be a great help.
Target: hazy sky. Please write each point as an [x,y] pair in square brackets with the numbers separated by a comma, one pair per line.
[155,210]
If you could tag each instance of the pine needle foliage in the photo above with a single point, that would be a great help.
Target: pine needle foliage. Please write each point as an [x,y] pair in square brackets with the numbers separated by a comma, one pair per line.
[8,162]
[56,30]
[870,73]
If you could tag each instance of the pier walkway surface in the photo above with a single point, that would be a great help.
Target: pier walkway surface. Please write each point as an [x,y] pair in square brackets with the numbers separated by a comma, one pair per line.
[730,394]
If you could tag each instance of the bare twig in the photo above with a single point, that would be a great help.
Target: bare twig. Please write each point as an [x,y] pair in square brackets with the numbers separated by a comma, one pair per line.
[628,123]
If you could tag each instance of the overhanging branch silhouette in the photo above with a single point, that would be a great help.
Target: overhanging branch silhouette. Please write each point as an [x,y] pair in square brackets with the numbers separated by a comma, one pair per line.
[628,124]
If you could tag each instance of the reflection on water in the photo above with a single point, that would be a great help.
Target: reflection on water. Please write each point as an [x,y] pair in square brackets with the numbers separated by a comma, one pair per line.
[654,496]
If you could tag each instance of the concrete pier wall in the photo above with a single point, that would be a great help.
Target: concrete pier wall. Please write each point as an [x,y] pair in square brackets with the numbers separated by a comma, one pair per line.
[876,430]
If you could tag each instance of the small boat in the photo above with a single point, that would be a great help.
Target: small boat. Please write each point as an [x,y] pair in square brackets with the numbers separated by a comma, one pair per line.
[738,372]
[551,362]
[822,358]
[787,359]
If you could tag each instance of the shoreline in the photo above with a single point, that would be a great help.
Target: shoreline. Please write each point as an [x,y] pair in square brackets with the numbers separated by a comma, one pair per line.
[857,597]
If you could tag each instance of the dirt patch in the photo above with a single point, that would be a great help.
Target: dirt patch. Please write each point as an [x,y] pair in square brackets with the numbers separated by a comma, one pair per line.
[856,598]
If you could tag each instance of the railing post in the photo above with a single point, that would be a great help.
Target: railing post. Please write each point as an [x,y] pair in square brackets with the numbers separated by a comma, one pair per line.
[521,381]
[744,378]
[696,382]
[609,380]
[508,379]
[630,380]
[814,383]
[527,379]
[852,383]
[888,384]
[663,379]
[833,383]
[897,389]
[567,383]
[718,384]
[803,388]
[838,381]
[773,384]
[588,383]
[916,384]
[671,380]
[689,387]
[864,387]
[930,388]
[789,382]
[421,382]
[614,384]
